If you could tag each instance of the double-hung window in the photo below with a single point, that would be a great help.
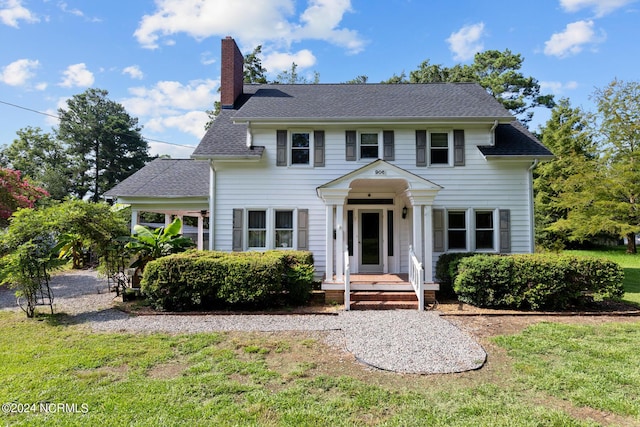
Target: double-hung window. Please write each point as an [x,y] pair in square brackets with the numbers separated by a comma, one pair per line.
[257,229]
[439,148]
[369,145]
[300,148]
[484,230]
[284,229]
[457,230]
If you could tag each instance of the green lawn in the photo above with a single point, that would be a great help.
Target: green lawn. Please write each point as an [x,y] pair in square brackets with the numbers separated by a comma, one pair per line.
[292,379]
[629,262]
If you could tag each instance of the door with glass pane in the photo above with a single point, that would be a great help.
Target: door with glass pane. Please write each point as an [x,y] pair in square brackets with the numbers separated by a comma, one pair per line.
[370,241]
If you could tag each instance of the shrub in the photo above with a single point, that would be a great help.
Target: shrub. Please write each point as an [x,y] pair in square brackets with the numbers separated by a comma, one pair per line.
[536,281]
[446,271]
[204,279]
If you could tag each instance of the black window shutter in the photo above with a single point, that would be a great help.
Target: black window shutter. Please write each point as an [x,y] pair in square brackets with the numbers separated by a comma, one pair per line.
[438,230]
[458,148]
[281,148]
[421,148]
[238,233]
[350,145]
[388,145]
[505,231]
[303,229]
[318,148]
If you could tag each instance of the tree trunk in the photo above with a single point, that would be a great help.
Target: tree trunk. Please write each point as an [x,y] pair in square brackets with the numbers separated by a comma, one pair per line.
[631,243]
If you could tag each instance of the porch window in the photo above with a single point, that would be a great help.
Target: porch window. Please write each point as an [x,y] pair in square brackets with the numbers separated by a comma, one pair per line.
[257,229]
[439,148]
[284,229]
[300,148]
[484,230]
[369,146]
[457,230]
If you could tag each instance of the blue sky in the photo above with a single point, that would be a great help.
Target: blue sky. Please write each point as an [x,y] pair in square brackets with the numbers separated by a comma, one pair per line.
[160,58]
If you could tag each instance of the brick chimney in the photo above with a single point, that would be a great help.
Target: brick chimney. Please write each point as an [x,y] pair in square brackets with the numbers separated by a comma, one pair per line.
[232,74]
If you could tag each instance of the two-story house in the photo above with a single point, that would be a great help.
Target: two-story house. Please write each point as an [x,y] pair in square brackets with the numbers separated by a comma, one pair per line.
[371,178]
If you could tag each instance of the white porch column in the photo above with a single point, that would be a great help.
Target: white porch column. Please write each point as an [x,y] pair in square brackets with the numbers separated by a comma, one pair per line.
[339,242]
[428,244]
[181,222]
[135,216]
[212,205]
[417,231]
[200,232]
[167,219]
[329,244]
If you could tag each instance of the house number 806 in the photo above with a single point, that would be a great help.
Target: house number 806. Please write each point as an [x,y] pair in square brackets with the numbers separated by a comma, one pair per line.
[380,171]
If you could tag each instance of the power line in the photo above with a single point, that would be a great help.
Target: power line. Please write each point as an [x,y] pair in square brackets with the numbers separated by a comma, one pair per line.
[58,117]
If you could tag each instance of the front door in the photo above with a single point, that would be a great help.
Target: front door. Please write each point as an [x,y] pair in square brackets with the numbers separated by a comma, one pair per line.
[371,241]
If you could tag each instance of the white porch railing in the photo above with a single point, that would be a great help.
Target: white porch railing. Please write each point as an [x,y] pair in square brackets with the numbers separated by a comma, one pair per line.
[347,280]
[416,277]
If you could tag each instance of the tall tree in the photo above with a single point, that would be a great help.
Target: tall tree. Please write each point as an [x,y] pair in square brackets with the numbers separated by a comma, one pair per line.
[292,77]
[496,71]
[41,158]
[606,198]
[568,136]
[254,72]
[104,142]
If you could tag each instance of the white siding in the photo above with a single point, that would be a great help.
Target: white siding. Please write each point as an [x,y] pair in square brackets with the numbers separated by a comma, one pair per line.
[478,184]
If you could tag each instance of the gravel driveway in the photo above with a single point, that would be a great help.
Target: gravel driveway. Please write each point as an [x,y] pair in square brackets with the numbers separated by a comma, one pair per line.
[405,341]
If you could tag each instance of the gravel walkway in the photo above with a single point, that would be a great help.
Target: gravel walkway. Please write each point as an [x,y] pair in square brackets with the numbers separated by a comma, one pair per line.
[405,341]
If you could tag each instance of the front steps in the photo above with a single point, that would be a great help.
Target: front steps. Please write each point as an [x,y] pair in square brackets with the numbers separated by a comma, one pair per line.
[379,292]
[383,300]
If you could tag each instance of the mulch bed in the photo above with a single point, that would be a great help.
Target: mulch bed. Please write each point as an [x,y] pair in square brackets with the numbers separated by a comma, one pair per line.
[596,308]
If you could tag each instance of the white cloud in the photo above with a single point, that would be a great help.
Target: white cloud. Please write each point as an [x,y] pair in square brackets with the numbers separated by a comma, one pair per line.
[251,22]
[572,40]
[191,122]
[134,72]
[558,88]
[171,104]
[207,58]
[466,42]
[12,11]
[321,21]
[174,151]
[167,97]
[19,72]
[77,75]
[600,7]
[76,12]
[280,61]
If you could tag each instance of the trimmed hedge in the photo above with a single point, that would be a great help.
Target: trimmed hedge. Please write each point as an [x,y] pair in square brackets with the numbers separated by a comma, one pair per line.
[446,270]
[200,280]
[537,282]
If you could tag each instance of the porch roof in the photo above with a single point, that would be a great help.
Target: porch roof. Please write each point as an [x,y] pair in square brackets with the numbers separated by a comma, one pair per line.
[165,178]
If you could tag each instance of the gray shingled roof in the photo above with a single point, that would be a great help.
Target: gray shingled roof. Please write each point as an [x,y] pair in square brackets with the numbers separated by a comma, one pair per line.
[166,178]
[364,102]
[515,140]
[226,139]
[370,101]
